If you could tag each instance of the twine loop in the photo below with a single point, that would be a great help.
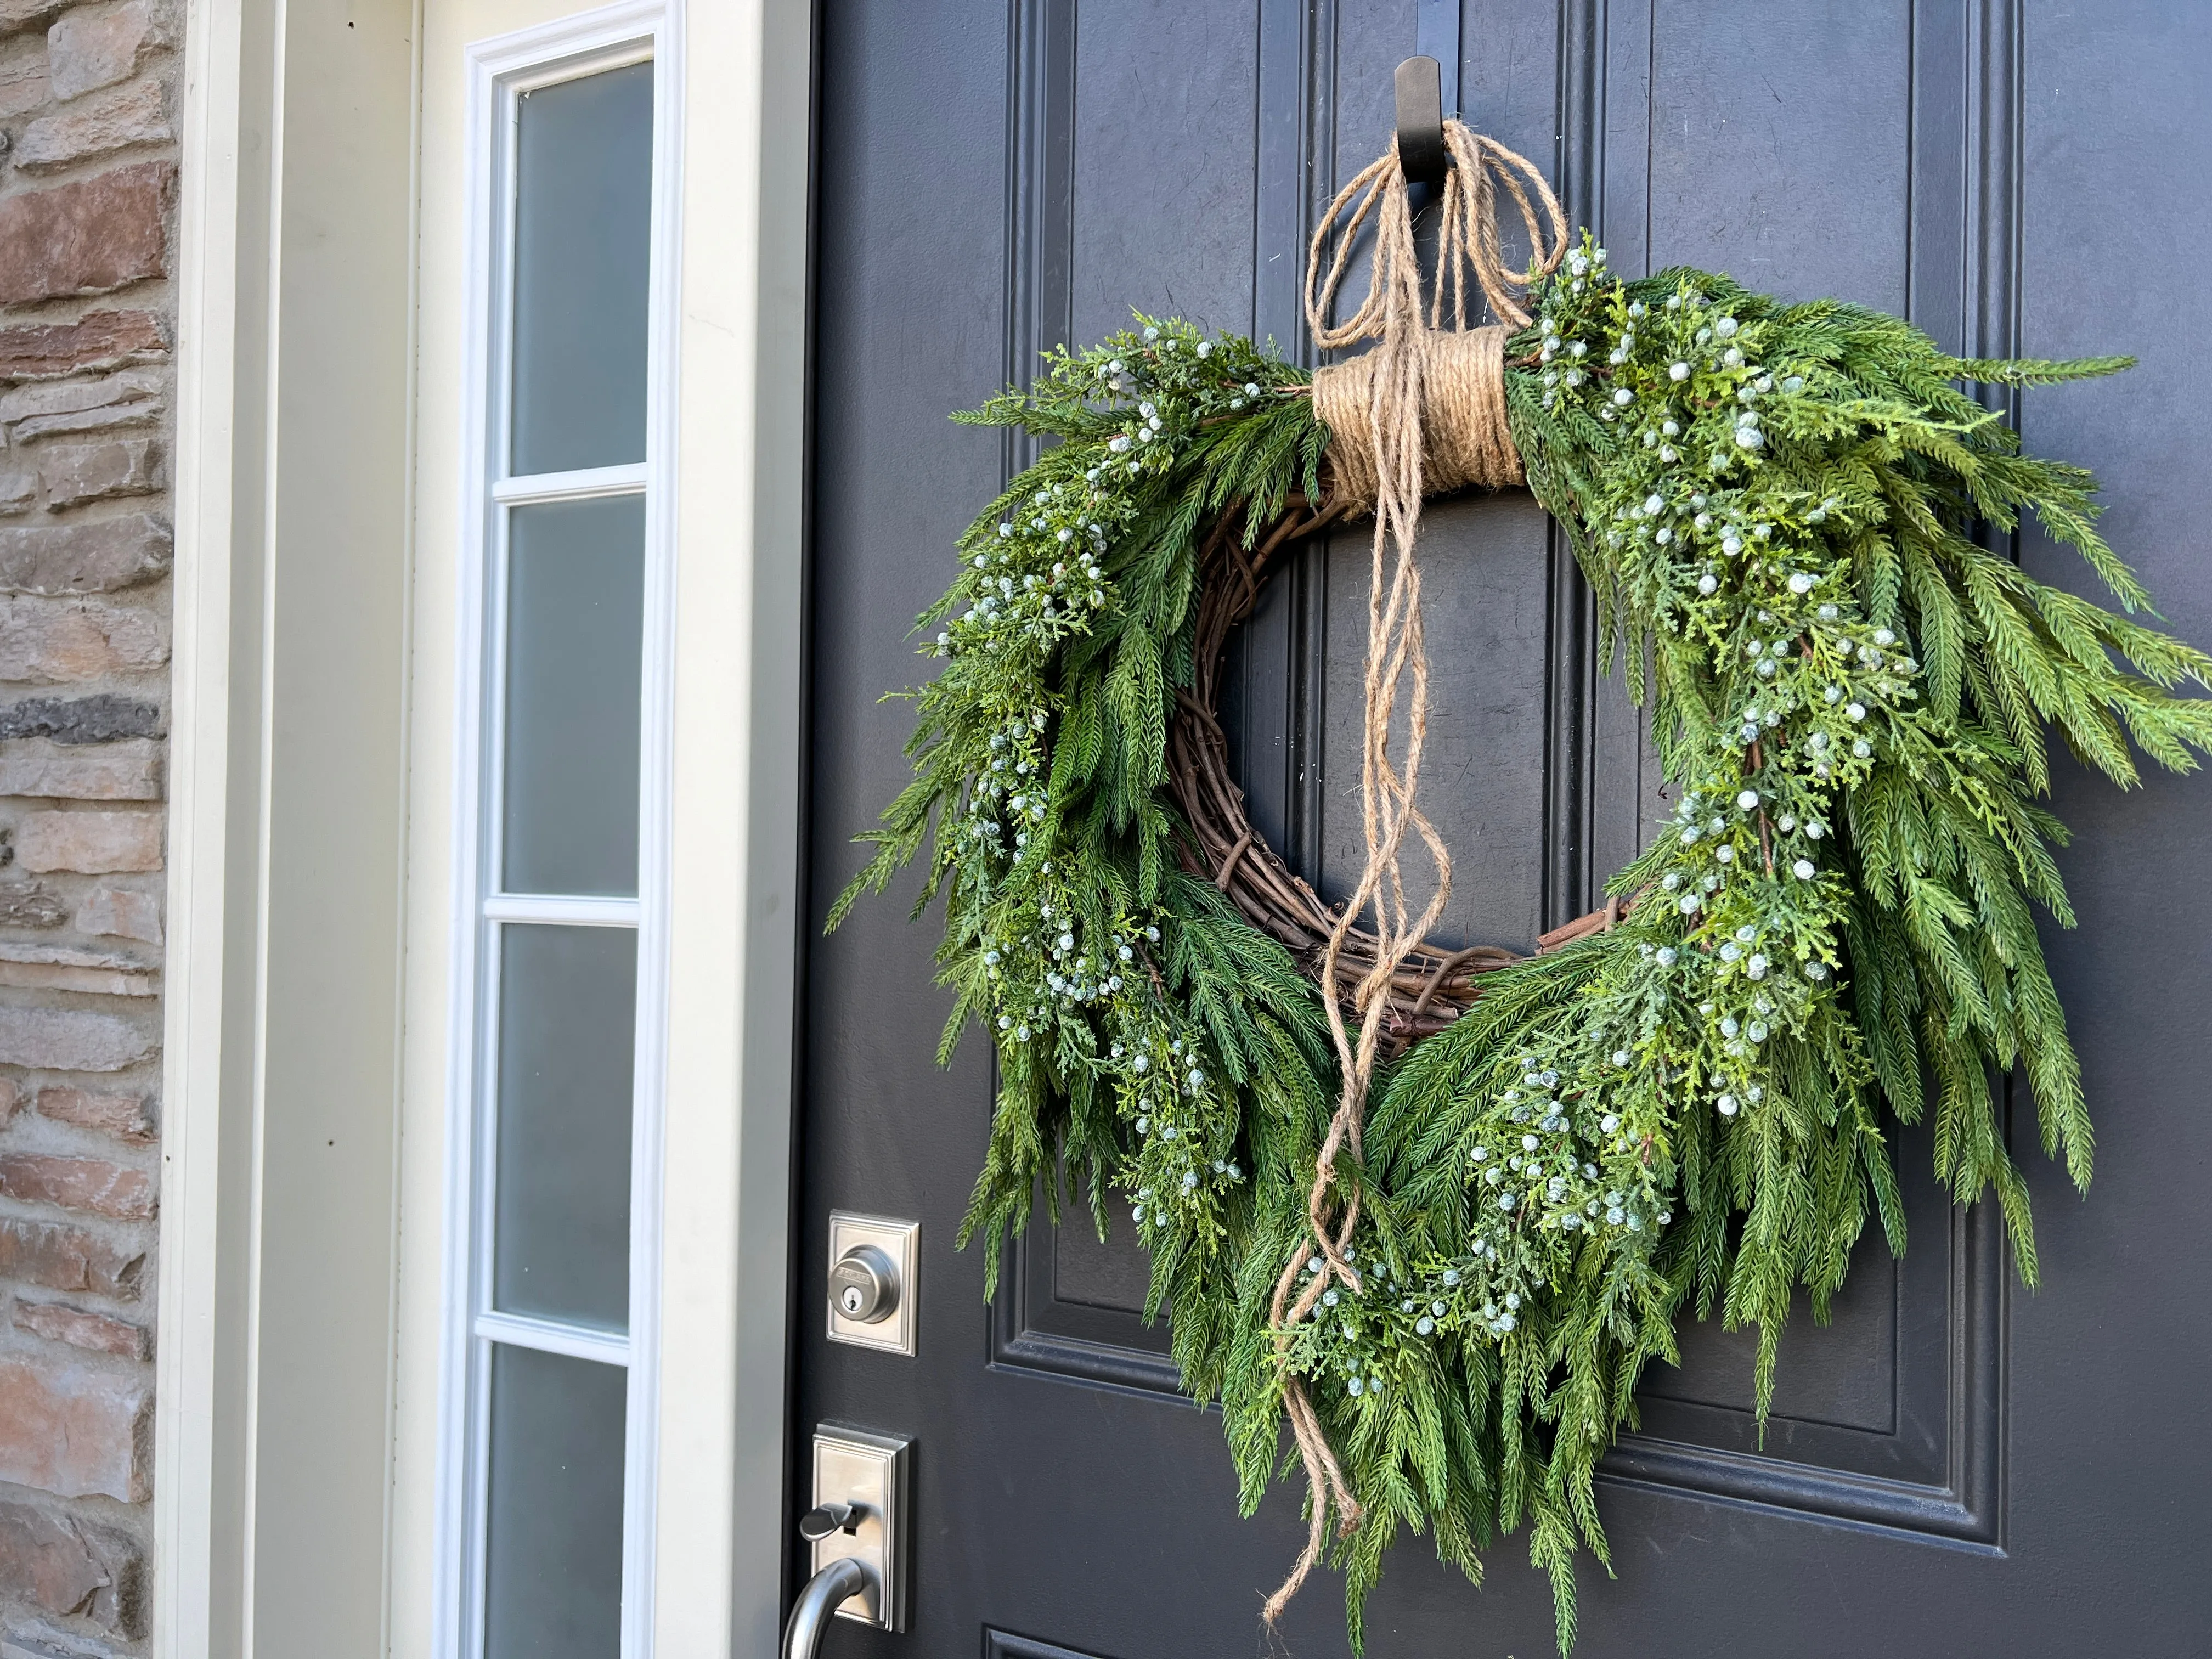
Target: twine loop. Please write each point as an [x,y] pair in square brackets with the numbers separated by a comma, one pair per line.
[1424,410]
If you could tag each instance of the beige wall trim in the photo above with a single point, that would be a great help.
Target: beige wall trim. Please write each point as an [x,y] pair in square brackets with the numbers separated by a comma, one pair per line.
[198,1493]
[281,1083]
[282,1386]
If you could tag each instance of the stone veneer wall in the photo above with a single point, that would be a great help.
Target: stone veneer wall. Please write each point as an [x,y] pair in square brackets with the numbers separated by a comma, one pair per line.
[87,122]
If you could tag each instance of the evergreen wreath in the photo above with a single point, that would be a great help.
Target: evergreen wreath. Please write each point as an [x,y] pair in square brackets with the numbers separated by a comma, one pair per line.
[1679,1103]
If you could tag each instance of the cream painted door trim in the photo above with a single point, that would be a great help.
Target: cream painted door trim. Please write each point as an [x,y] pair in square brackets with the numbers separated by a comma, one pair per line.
[296,266]
[737,900]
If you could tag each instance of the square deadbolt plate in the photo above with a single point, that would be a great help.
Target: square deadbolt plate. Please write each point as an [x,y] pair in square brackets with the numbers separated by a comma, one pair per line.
[902,1242]
[869,1472]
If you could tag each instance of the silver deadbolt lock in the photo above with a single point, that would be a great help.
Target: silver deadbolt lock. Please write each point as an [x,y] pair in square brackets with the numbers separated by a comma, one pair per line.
[872,1263]
[865,1284]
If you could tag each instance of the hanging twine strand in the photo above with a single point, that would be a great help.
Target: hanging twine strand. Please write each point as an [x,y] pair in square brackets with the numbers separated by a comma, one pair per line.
[1424,411]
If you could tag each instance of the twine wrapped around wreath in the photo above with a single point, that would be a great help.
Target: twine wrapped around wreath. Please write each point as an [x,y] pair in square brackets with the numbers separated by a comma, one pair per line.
[1424,410]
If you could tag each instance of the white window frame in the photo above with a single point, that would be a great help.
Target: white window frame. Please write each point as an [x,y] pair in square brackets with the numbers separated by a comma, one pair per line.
[499,72]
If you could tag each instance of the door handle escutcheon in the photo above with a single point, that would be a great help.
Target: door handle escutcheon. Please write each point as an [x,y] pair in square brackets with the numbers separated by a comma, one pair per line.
[861,1495]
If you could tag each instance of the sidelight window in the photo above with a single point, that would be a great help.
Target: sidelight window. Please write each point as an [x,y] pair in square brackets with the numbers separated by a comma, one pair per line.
[562,926]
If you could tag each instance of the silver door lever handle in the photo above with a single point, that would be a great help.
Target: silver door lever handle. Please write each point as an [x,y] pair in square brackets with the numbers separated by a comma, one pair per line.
[818,1522]
[818,1603]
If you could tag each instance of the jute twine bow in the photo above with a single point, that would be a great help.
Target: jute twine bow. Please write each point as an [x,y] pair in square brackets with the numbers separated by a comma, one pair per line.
[1424,411]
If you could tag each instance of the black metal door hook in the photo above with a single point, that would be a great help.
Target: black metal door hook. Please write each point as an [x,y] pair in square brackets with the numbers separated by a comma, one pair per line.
[1421,121]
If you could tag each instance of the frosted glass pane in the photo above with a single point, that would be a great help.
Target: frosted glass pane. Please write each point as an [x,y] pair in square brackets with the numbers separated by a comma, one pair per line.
[568,1013]
[554,1546]
[576,632]
[582,222]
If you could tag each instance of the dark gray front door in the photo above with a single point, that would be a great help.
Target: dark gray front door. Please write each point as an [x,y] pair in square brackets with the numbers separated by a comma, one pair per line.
[1955,1466]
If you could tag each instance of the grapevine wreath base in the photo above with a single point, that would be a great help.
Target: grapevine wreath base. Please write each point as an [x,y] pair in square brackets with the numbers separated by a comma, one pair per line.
[1431,987]
[1437,1211]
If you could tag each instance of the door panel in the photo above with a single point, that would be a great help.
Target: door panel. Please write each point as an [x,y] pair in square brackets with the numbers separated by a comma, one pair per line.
[1948,1465]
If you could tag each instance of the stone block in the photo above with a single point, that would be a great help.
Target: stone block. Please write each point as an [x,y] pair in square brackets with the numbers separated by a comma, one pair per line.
[31,966]
[49,640]
[60,1257]
[143,411]
[11,1098]
[75,473]
[23,84]
[72,1569]
[99,126]
[43,1646]
[113,771]
[102,718]
[88,236]
[48,952]
[74,1431]
[73,1039]
[90,1184]
[27,904]
[126,1116]
[99,339]
[19,489]
[89,556]
[88,49]
[46,1642]
[129,396]
[81,1327]
[90,843]
[14,14]
[54,396]
[18,974]
[117,912]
